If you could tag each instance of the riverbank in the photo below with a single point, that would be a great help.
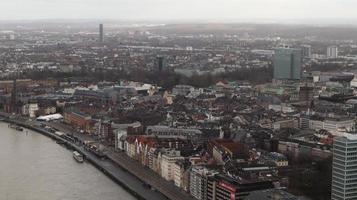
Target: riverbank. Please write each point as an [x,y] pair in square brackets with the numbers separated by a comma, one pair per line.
[146,175]
[126,180]
[35,167]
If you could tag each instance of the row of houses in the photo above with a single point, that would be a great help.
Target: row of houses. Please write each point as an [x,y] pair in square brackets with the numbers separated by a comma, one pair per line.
[200,173]
[159,154]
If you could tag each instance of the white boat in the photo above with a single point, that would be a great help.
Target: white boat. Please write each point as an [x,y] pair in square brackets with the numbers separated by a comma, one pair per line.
[78,157]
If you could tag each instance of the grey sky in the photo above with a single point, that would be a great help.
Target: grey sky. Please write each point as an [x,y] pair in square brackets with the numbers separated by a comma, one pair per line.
[177,9]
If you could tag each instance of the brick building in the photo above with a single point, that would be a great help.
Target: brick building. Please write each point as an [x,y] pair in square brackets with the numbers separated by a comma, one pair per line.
[79,120]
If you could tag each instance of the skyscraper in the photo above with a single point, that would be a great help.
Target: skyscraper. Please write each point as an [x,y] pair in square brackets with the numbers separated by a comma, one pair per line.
[332,52]
[287,64]
[101,33]
[344,167]
[160,63]
[306,51]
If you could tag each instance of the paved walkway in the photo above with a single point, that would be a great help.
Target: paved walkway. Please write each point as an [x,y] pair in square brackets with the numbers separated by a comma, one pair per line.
[134,167]
[149,176]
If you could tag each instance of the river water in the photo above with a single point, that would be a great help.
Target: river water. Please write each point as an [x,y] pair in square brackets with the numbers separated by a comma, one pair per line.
[34,167]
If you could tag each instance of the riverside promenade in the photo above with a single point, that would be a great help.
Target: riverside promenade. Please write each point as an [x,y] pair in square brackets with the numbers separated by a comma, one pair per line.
[127,172]
[143,173]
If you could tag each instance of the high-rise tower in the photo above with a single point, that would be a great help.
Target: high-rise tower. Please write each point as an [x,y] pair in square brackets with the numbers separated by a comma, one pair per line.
[287,64]
[344,167]
[306,51]
[160,63]
[332,52]
[101,33]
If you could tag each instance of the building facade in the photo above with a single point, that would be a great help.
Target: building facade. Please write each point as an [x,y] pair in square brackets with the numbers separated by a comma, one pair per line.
[287,64]
[79,121]
[168,160]
[344,168]
[332,52]
[306,51]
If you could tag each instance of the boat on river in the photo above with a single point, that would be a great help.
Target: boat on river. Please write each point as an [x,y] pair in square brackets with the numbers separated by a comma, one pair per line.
[78,157]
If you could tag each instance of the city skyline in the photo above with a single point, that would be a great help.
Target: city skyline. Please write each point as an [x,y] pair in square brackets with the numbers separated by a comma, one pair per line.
[178,99]
[292,11]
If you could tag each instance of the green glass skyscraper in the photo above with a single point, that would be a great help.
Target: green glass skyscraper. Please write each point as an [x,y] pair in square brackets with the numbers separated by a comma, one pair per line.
[287,64]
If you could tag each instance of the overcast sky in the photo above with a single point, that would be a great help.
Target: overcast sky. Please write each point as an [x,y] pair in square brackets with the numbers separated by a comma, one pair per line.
[177,9]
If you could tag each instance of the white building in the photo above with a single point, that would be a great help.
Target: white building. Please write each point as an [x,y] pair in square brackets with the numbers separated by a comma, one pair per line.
[332,125]
[30,109]
[130,148]
[33,108]
[120,136]
[181,174]
[354,83]
[332,52]
[344,167]
[168,160]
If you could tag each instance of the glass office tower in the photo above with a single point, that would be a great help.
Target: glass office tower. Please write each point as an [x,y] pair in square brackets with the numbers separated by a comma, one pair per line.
[344,168]
[287,64]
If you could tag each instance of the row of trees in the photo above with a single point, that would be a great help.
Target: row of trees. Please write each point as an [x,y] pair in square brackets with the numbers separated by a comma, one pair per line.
[165,79]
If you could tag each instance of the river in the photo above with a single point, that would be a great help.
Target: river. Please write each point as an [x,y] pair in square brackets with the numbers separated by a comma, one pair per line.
[34,167]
